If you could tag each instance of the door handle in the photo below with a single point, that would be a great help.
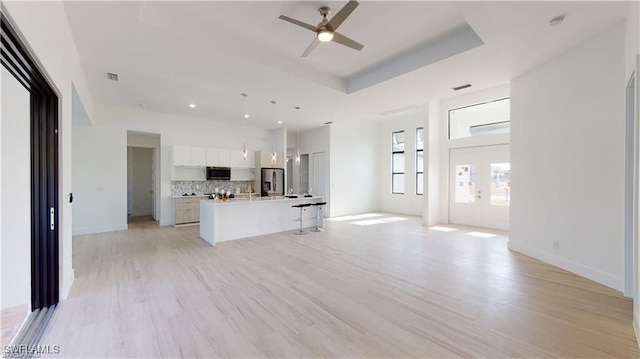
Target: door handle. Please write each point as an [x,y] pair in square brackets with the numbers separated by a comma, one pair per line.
[52,217]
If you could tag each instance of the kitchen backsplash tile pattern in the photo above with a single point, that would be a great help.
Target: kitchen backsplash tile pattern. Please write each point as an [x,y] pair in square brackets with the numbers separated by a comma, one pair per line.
[178,188]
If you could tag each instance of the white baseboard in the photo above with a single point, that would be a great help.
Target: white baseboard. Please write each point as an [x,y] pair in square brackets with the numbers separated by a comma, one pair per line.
[68,282]
[582,270]
[100,229]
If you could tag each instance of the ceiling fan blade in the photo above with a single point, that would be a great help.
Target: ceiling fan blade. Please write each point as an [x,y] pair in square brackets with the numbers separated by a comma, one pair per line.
[299,23]
[343,40]
[342,14]
[312,46]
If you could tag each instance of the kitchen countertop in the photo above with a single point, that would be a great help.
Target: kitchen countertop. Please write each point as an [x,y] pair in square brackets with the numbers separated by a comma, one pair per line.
[260,199]
[206,195]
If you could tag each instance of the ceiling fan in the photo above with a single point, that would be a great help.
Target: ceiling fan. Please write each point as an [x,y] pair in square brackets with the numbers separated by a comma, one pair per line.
[326,30]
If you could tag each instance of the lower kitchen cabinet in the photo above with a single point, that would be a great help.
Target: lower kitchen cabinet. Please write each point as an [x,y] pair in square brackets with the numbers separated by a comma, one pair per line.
[187,210]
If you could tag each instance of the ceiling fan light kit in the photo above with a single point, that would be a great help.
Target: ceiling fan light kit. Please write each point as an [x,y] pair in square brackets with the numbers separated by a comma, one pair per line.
[326,29]
[325,35]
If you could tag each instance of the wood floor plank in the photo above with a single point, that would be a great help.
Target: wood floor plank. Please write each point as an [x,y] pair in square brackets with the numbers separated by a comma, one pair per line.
[392,290]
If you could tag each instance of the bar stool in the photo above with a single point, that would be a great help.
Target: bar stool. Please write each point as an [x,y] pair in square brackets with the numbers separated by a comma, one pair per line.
[318,206]
[302,207]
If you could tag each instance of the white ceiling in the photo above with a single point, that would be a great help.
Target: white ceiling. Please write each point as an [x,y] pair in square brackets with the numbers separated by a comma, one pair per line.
[170,54]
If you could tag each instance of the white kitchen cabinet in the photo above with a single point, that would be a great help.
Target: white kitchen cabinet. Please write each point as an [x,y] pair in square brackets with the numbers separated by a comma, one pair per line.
[217,157]
[181,156]
[236,160]
[189,156]
[242,174]
[198,156]
[264,159]
[212,157]
[223,157]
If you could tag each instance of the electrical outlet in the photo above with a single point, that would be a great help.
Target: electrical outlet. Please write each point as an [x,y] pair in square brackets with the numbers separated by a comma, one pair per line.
[556,244]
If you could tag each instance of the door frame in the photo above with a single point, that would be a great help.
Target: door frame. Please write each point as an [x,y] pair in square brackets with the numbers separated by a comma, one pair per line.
[156,157]
[632,177]
[45,208]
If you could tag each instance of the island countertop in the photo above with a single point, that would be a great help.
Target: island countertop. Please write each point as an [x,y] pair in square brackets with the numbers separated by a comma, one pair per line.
[265,199]
[243,217]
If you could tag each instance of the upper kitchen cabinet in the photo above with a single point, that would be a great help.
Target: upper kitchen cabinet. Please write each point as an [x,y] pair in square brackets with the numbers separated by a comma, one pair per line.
[212,157]
[189,156]
[218,157]
[237,161]
[264,159]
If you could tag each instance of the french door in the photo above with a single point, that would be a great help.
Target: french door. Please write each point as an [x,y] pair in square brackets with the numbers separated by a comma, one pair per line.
[479,189]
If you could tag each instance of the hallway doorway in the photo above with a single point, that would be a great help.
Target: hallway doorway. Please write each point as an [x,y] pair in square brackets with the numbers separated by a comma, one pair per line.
[140,182]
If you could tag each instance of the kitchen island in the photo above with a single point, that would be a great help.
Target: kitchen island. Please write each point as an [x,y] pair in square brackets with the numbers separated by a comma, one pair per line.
[242,218]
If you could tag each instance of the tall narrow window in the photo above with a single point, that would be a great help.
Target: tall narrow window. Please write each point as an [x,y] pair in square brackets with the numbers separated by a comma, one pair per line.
[397,162]
[419,160]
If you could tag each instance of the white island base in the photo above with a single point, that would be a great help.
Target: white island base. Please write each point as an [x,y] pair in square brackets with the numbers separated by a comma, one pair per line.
[242,218]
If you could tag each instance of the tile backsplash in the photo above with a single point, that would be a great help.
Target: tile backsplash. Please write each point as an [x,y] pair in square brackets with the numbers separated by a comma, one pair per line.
[178,188]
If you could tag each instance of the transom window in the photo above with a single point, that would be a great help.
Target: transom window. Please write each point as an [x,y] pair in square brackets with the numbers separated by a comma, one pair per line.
[481,119]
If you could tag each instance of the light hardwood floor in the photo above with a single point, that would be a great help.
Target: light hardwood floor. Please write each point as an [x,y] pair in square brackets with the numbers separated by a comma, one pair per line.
[393,289]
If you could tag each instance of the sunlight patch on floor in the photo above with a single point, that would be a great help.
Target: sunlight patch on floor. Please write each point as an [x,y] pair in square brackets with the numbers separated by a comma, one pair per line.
[354,217]
[442,229]
[369,222]
[480,234]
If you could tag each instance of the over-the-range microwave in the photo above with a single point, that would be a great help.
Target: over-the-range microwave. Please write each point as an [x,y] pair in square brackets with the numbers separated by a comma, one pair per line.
[218,173]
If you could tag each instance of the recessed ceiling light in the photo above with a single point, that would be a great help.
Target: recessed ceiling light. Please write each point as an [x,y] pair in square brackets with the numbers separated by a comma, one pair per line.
[192,105]
[556,20]
[246,115]
[279,122]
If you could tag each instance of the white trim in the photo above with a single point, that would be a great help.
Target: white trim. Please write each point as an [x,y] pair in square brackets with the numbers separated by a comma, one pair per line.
[100,229]
[601,277]
[64,291]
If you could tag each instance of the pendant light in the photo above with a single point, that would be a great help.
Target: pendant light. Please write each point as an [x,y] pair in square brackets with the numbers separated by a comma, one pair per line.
[246,115]
[297,161]
[274,154]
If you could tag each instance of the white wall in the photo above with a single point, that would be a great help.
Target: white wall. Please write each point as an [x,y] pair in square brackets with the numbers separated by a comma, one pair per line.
[44,27]
[443,107]
[431,197]
[15,215]
[100,154]
[316,141]
[408,203]
[632,57]
[567,152]
[353,170]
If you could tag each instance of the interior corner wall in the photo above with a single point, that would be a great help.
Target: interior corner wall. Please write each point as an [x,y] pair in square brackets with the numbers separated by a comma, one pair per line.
[44,28]
[352,167]
[567,150]
[408,203]
[315,141]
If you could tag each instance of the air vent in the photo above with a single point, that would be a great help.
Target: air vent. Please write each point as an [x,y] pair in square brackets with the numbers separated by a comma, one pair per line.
[111,76]
[461,87]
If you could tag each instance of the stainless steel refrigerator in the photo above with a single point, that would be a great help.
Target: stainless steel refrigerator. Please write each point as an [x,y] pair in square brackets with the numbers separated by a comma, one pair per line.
[272,182]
